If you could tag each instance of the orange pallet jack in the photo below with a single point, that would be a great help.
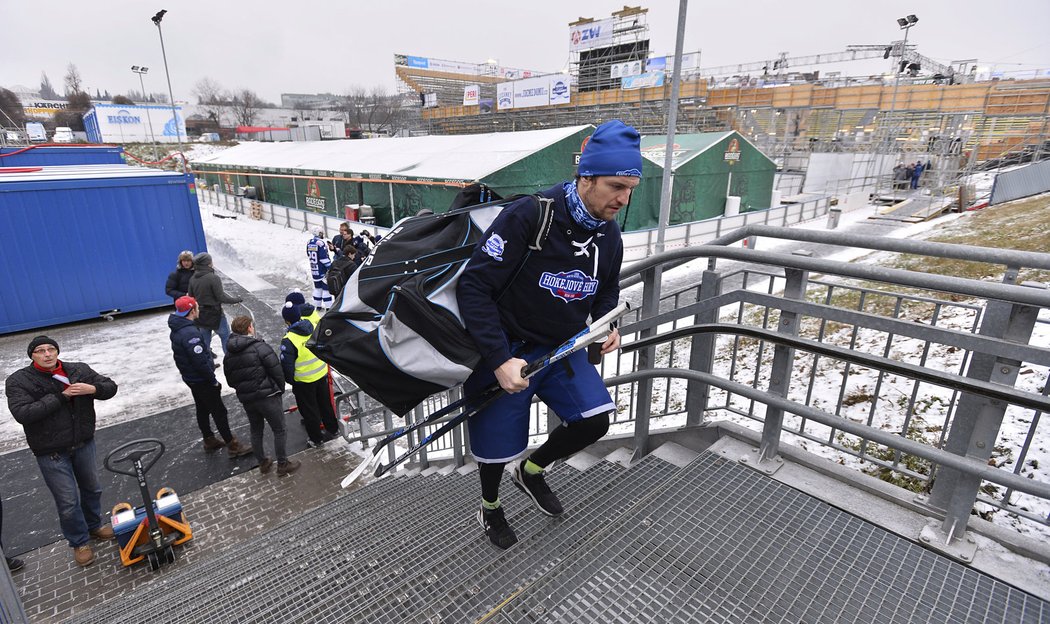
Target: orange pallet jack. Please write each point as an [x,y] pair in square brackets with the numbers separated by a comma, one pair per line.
[149,532]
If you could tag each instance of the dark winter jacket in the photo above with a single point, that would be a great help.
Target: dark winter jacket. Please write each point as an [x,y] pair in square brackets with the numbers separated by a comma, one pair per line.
[192,356]
[339,274]
[288,351]
[178,283]
[54,423]
[206,288]
[576,275]
[252,368]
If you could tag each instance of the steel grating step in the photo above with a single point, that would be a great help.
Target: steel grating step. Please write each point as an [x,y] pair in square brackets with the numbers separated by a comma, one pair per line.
[417,593]
[544,552]
[280,548]
[723,543]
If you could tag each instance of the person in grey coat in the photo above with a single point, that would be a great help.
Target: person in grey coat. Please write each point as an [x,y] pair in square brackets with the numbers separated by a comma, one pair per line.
[206,288]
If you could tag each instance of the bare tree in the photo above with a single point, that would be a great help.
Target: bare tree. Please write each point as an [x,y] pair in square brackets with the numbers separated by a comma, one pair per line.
[212,99]
[47,91]
[73,116]
[373,111]
[73,80]
[12,114]
[246,105]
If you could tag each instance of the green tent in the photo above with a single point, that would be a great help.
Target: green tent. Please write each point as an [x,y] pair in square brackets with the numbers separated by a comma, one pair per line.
[397,177]
[706,168]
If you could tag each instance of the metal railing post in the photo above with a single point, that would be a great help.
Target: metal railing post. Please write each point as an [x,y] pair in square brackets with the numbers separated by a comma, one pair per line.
[977,419]
[418,415]
[702,351]
[783,361]
[643,400]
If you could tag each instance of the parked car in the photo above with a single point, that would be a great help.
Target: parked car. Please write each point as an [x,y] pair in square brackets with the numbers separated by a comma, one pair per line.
[36,132]
[208,137]
[14,137]
[62,135]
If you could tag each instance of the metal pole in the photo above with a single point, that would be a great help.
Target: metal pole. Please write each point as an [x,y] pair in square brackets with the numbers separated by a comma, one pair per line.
[893,110]
[171,94]
[672,121]
[152,136]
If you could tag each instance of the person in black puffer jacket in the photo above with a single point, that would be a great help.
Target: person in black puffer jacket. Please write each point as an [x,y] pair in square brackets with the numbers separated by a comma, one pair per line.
[178,284]
[254,371]
[54,401]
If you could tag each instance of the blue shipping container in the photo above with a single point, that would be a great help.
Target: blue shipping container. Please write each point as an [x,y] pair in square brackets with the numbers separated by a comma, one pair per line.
[52,155]
[79,242]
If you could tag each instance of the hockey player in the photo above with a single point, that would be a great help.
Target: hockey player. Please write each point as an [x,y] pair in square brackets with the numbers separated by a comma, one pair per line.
[515,315]
[317,253]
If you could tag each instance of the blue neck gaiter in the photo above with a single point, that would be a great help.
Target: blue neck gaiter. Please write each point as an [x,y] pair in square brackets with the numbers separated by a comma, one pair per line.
[578,211]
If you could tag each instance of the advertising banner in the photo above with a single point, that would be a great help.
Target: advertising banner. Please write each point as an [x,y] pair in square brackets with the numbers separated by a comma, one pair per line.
[131,124]
[559,90]
[505,95]
[532,92]
[648,79]
[471,95]
[621,70]
[597,34]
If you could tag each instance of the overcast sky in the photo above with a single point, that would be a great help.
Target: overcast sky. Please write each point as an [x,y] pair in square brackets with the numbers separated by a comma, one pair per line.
[310,46]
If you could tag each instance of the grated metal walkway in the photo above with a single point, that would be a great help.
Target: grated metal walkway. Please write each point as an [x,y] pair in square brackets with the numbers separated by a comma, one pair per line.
[712,542]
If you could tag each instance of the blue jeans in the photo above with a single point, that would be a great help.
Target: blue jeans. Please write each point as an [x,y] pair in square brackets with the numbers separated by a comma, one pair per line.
[224,334]
[73,481]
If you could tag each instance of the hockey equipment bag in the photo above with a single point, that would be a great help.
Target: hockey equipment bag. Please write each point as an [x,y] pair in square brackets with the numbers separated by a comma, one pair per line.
[395,329]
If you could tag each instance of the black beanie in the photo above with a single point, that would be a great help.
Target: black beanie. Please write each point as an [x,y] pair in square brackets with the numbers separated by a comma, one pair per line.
[40,340]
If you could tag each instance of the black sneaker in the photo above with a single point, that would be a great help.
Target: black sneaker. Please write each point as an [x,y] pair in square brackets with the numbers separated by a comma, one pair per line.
[496,527]
[535,486]
[14,565]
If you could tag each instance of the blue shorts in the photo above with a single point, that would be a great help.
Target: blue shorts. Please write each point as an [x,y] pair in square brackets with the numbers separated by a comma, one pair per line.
[500,432]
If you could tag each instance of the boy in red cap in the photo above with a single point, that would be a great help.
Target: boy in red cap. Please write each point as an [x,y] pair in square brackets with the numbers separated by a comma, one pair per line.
[194,362]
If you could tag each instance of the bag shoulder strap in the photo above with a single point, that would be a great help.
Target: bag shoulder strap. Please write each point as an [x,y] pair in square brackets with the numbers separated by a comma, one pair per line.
[544,219]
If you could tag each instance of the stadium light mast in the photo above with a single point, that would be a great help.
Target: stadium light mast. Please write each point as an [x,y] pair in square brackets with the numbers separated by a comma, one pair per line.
[905,24]
[138,69]
[156,19]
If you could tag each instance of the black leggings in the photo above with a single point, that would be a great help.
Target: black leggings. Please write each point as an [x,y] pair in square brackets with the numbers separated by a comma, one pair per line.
[564,441]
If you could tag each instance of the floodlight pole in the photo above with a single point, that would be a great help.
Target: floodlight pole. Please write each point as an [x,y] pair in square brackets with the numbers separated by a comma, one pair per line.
[672,122]
[906,27]
[142,70]
[174,115]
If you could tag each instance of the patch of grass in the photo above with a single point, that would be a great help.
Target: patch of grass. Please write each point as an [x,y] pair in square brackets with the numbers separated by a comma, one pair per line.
[1022,225]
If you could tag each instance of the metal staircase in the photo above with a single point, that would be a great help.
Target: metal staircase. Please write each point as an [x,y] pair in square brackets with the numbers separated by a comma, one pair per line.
[679,536]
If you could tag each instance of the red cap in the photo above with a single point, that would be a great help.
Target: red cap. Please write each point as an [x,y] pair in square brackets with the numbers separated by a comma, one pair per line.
[184,304]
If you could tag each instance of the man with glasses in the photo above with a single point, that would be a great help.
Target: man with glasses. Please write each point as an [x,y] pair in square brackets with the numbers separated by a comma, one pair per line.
[54,401]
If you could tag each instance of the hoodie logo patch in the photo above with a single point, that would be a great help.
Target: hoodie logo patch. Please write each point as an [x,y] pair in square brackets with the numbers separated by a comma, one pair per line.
[494,247]
[572,286]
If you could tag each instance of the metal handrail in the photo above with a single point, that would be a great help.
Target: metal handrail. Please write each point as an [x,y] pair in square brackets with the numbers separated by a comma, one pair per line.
[935,455]
[974,386]
[1024,294]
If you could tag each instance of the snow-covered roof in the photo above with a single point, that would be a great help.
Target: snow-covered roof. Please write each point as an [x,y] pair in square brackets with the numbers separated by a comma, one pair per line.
[687,146]
[80,172]
[465,157]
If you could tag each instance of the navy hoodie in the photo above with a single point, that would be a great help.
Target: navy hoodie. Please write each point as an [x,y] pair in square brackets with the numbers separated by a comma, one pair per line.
[576,275]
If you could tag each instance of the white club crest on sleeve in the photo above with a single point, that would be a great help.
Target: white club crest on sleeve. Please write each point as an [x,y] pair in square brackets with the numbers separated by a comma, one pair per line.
[494,247]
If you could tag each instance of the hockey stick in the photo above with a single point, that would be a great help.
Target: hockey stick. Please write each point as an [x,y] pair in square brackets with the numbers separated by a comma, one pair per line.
[596,331]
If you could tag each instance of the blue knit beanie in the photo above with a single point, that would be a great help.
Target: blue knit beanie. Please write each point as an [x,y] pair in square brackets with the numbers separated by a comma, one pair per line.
[290,313]
[296,297]
[613,150]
